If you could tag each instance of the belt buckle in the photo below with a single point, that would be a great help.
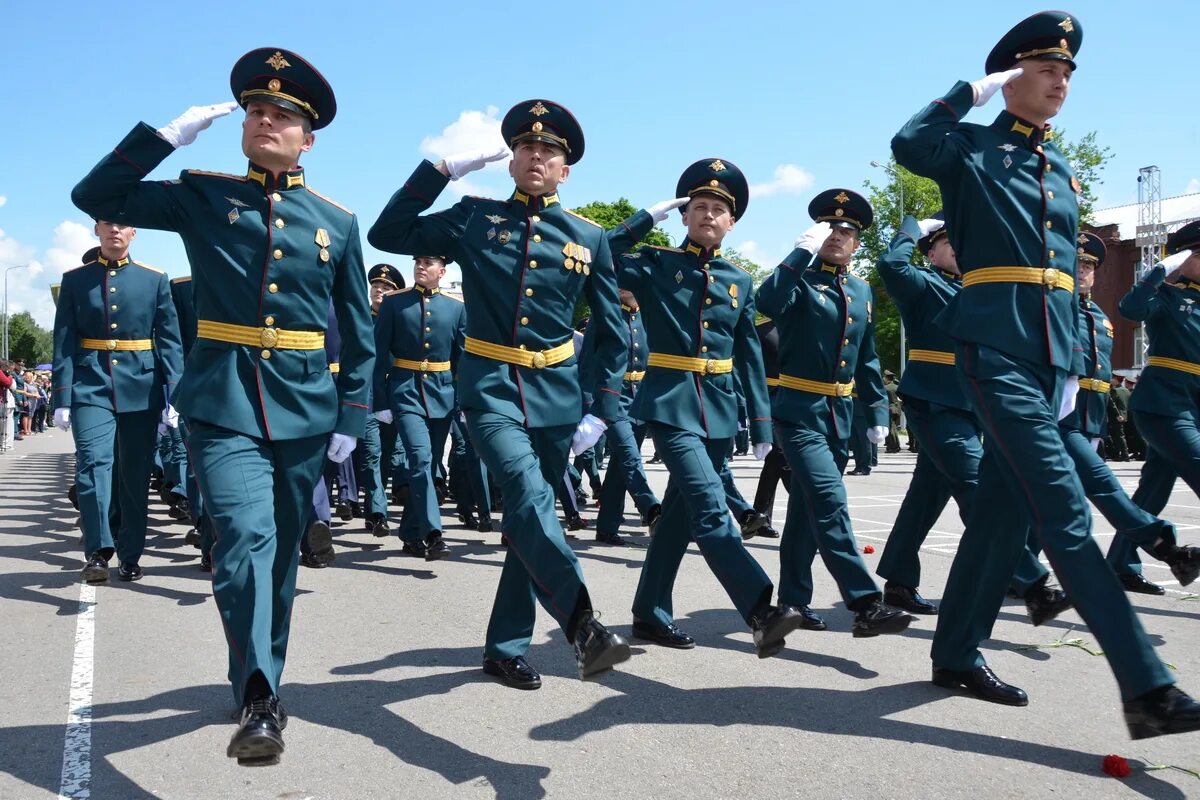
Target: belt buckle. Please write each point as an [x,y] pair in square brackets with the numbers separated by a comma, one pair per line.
[424,365]
[1050,277]
[268,337]
[710,366]
[111,344]
[539,360]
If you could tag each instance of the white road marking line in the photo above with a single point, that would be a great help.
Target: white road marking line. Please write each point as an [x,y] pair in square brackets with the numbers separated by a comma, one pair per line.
[76,781]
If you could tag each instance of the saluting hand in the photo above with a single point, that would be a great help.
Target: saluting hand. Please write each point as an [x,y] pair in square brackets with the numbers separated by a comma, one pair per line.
[456,166]
[928,226]
[987,86]
[659,211]
[1170,265]
[183,129]
[812,239]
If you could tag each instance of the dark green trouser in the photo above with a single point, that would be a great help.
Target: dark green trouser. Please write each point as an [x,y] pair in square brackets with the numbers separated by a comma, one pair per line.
[528,463]
[1025,464]
[694,509]
[100,437]
[258,494]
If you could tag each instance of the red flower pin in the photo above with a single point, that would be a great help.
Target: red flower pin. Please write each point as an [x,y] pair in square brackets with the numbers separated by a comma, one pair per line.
[1116,766]
[868,549]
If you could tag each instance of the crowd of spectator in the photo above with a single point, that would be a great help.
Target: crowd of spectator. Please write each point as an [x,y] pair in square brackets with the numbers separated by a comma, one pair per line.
[24,403]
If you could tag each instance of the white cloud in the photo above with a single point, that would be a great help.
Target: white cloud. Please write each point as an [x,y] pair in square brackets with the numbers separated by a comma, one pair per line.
[3,200]
[472,132]
[29,289]
[1193,187]
[764,257]
[788,179]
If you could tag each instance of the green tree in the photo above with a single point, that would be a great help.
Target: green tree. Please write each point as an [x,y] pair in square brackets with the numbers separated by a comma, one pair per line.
[1087,161]
[29,341]
[610,215]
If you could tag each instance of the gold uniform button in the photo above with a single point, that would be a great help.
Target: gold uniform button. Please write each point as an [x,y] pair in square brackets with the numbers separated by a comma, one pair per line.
[112,290]
[427,345]
[1049,224]
[849,320]
[1048,166]
[522,347]
[269,320]
[112,273]
[265,353]
[1039,149]
[535,218]
[845,342]
[429,313]
[529,292]
[537,238]
[532,264]
[708,301]
[114,361]
[278,254]
[276,196]
[843,363]
[704,349]
[113,326]
[706,323]
[1050,194]
[636,346]
[279,222]
[428,329]
[113,307]
[524,320]
[1052,254]
[273,288]
[712,279]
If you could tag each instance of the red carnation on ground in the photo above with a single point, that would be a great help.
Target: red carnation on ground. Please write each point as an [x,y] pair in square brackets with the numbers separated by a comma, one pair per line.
[868,549]
[1116,766]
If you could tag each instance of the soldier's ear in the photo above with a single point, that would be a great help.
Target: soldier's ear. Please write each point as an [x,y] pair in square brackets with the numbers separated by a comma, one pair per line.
[309,139]
[565,172]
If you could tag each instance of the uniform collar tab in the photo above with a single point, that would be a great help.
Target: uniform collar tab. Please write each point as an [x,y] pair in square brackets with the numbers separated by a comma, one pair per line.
[1011,123]
[629,310]
[120,262]
[691,248]
[536,203]
[427,292]
[833,269]
[950,276]
[292,179]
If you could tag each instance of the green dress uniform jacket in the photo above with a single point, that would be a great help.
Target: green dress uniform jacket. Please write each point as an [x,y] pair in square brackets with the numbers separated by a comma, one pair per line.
[263,256]
[1173,330]
[416,325]
[1090,416]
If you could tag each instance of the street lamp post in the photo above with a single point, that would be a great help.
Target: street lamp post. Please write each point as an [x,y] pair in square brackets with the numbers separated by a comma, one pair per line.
[899,221]
[5,341]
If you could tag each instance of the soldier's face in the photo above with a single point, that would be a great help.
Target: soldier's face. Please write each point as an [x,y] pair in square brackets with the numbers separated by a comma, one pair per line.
[942,256]
[840,246]
[427,271]
[378,290]
[1085,275]
[274,137]
[1039,93]
[538,167]
[1190,269]
[114,238]
[708,218]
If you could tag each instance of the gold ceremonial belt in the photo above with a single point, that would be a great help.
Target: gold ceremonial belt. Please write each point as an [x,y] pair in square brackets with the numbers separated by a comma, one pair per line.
[772,382]
[1172,363]
[816,387]
[1093,385]
[116,344]
[635,376]
[1050,278]
[535,359]
[704,366]
[335,367]
[421,366]
[260,337]
[931,356]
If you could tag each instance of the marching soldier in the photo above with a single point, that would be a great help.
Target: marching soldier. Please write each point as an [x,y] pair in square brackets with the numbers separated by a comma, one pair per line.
[116,356]
[418,340]
[827,351]
[1166,405]
[1012,216]
[893,392]
[700,327]
[375,457]
[525,262]
[268,254]
[775,469]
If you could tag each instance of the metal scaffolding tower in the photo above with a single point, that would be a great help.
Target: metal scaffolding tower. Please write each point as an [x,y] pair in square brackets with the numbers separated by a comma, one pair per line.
[1151,236]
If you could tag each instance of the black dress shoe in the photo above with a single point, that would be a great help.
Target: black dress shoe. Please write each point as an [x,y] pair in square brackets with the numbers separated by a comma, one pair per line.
[485,525]
[752,522]
[378,526]
[982,683]
[468,521]
[192,537]
[666,635]
[258,741]
[414,549]
[655,459]
[768,532]
[1044,603]
[1162,711]
[515,672]
[129,571]
[96,569]
[1135,583]
[206,562]
[809,619]
[860,471]
[344,512]
[876,618]
[650,520]
[907,598]
[320,540]
[613,539]
[575,523]
[770,627]
[435,546]
[1183,561]
[311,561]
[597,649]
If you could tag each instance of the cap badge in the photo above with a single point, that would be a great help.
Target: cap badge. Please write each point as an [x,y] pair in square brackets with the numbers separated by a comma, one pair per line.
[842,197]
[717,165]
[1067,25]
[277,61]
[1082,238]
[539,109]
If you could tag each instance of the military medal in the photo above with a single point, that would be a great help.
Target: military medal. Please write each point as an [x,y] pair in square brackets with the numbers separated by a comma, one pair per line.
[569,263]
[233,215]
[504,237]
[679,277]
[323,241]
[491,234]
[733,293]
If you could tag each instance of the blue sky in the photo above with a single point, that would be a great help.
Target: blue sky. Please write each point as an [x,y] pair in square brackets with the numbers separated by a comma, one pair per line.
[800,96]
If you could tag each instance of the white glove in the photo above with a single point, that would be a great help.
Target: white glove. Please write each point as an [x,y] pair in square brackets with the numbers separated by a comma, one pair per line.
[985,87]
[761,449]
[384,416]
[183,130]
[588,432]
[62,418]
[1172,263]
[928,226]
[659,211]
[812,239]
[170,417]
[340,447]
[878,433]
[464,163]
[1068,398]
